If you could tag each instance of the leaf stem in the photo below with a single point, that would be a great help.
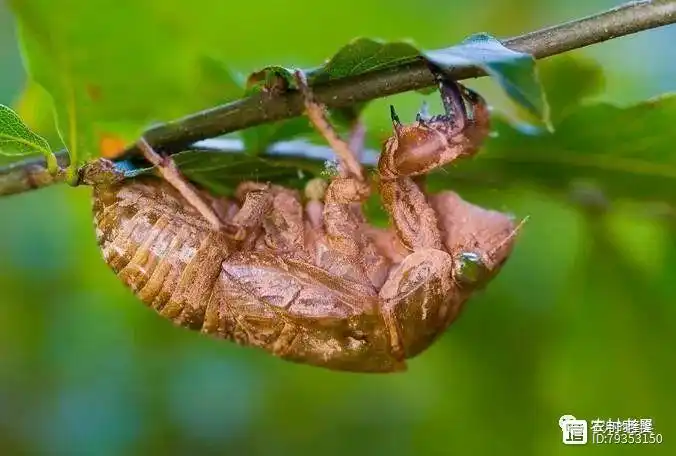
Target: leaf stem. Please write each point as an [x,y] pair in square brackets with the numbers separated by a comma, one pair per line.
[171,137]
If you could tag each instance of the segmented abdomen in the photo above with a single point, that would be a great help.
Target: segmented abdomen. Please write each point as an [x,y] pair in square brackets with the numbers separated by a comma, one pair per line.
[160,247]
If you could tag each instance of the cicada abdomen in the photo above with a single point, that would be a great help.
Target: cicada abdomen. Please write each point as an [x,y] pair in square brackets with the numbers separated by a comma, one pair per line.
[199,278]
[160,247]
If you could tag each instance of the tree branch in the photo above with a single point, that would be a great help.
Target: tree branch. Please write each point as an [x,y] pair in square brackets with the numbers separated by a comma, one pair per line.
[258,109]
[29,174]
[174,136]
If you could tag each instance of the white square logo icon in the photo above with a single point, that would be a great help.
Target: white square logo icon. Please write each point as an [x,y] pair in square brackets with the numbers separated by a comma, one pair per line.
[574,431]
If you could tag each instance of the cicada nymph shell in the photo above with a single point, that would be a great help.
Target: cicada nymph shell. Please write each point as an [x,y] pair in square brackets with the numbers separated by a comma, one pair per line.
[309,280]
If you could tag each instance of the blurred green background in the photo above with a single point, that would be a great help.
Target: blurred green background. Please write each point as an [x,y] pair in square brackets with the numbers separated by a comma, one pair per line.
[581,321]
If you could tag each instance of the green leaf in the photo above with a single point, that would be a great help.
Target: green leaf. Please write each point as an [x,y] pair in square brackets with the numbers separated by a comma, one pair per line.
[258,139]
[269,79]
[17,139]
[222,172]
[514,71]
[361,56]
[570,81]
[618,152]
[114,67]
[34,106]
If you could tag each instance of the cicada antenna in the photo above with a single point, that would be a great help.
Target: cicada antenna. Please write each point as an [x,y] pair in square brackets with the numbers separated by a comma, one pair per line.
[509,237]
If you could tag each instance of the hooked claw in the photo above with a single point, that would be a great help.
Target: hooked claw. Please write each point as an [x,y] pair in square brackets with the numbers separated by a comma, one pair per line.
[395,118]
[453,100]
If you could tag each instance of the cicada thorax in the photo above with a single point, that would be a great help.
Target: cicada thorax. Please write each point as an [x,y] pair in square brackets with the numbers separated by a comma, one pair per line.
[160,247]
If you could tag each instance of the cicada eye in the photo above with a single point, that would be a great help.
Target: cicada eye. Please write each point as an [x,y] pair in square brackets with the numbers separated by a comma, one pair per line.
[470,268]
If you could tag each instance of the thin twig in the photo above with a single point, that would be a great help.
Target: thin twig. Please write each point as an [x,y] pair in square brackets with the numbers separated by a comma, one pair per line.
[30,174]
[257,109]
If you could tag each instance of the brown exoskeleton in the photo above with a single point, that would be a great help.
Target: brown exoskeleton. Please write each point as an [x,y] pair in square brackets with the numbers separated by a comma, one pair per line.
[310,281]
